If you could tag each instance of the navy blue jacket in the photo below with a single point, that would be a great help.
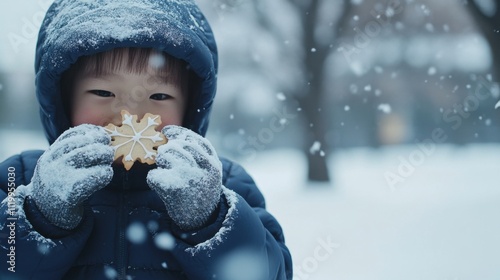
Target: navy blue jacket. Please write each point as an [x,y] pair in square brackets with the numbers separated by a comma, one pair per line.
[242,231]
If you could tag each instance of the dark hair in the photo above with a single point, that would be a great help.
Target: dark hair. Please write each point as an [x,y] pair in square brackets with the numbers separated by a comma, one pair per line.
[134,60]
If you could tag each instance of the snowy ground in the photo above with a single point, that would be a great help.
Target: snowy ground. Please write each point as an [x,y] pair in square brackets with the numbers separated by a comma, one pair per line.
[442,223]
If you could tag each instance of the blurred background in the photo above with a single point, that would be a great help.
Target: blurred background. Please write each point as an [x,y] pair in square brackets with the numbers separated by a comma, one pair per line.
[372,126]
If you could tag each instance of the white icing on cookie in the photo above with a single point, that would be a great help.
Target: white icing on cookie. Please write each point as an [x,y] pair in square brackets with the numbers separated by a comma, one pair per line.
[136,140]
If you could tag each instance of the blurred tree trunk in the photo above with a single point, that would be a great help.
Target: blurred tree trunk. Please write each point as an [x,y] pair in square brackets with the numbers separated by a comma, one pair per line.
[490,27]
[310,94]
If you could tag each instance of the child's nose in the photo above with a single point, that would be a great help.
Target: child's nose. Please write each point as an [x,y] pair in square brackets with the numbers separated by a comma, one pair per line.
[140,112]
[117,118]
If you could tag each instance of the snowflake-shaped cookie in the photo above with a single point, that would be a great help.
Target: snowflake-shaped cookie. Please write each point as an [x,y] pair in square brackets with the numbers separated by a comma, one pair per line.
[136,140]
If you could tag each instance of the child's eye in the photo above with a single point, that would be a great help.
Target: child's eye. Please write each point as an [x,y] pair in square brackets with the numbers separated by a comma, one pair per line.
[101,93]
[160,96]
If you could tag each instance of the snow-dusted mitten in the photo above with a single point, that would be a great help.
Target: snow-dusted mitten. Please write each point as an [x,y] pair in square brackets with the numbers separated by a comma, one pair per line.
[188,178]
[76,165]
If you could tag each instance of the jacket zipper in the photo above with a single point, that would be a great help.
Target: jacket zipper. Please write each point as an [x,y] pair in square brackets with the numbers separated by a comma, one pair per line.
[121,257]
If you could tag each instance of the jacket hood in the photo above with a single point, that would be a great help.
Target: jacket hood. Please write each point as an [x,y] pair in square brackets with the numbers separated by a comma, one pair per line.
[75,28]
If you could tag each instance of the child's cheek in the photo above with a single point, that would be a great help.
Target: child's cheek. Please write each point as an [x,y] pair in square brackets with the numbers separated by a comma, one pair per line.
[89,115]
[169,119]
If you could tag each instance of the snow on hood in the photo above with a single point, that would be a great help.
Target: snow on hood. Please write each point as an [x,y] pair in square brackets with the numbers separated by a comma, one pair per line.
[74,28]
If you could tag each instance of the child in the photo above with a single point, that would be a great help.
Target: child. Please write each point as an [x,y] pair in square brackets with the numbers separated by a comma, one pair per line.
[71,212]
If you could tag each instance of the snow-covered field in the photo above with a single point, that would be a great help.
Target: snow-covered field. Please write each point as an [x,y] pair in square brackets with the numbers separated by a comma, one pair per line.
[442,223]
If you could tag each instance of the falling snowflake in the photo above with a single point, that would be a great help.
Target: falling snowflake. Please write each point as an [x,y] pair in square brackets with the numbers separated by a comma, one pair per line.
[110,272]
[316,148]
[281,96]
[386,108]
[157,61]
[241,264]
[497,105]
[165,241]
[390,12]
[136,140]
[429,27]
[136,233]
[152,226]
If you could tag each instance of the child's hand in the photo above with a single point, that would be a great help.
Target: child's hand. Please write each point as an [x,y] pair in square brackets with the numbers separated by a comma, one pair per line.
[76,165]
[188,178]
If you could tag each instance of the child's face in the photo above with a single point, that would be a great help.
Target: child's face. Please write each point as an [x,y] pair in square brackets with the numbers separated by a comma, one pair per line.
[99,100]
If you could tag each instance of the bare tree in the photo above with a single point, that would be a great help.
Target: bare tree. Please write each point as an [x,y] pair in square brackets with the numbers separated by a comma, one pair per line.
[317,39]
[488,20]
